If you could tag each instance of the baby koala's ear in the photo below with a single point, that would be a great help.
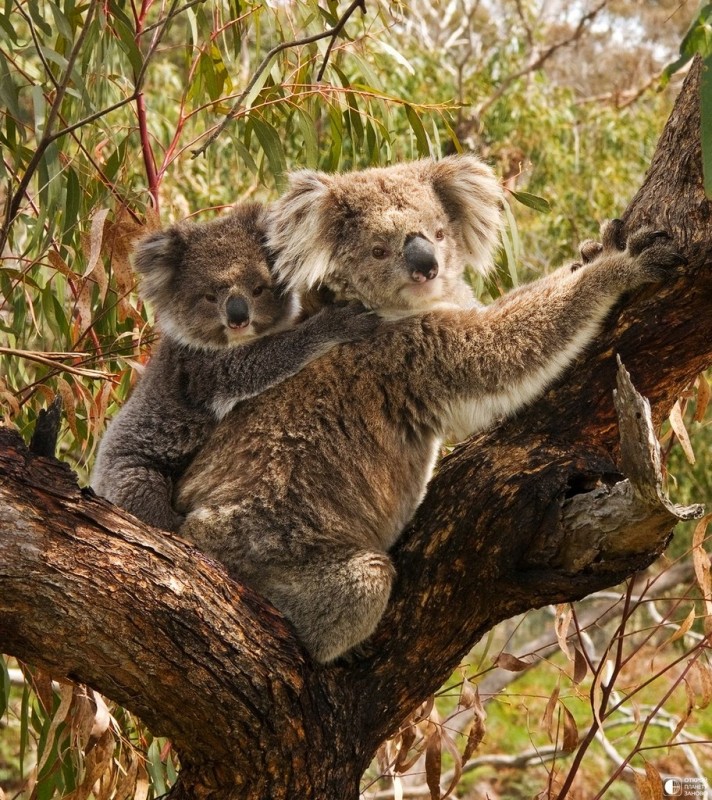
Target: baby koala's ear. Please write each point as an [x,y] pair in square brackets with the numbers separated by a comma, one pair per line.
[472,198]
[157,258]
[298,228]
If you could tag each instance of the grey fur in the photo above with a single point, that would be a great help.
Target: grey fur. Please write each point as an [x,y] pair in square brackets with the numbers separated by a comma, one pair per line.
[202,367]
[305,494]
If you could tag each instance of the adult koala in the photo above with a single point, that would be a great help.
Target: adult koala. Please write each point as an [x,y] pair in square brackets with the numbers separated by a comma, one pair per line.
[305,496]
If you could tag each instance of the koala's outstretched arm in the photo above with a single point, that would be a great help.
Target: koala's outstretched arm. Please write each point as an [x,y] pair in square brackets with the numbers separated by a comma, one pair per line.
[506,355]
[233,375]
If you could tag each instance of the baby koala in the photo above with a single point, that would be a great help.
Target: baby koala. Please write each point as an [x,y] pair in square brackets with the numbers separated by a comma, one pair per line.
[227,335]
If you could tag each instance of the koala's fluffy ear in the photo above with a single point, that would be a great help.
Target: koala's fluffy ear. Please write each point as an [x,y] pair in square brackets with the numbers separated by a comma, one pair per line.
[156,259]
[472,198]
[298,230]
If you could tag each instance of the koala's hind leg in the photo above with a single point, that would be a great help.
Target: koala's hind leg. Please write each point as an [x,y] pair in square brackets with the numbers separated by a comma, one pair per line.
[334,601]
[334,596]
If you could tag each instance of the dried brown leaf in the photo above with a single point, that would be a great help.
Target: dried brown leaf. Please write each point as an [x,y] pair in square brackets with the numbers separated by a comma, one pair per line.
[571,736]
[678,425]
[477,729]
[680,725]
[128,775]
[656,782]
[703,398]
[433,763]
[92,246]
[547,719]
[41,683]
[468,695]
[7,397]
[684,627]
[60,264]
[83,303]
[580,666]
[405,740]
[142,784]
[456,761]
[562,622]
[69,403]
[424,711]
[511,663]
[701,561]
[66,692]
[703,675]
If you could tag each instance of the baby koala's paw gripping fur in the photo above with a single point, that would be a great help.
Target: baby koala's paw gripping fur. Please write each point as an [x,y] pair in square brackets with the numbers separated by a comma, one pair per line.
[349,323]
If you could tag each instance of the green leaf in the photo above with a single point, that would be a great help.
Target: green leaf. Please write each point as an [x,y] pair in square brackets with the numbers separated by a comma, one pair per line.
[38,19]
[127,43]
[421,137]
[271,143]
[4,686]
[532,201]
[307,129]
[61,22]
[6,25]
[9,93]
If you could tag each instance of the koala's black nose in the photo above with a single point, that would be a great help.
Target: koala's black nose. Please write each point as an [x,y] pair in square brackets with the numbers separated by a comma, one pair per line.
[420,258]
[238,312]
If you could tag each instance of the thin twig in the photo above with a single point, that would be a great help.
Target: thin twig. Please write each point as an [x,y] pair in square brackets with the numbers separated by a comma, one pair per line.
[336,30]
[234,111]
[541,59]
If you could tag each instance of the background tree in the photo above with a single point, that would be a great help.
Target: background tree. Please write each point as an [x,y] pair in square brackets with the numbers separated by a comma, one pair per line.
[105,105]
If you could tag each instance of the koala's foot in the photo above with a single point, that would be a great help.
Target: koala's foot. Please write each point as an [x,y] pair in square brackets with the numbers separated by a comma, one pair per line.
[334,601]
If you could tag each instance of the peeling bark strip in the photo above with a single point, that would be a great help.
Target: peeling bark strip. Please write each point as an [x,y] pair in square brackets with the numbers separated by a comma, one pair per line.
[87,592]
[634,516]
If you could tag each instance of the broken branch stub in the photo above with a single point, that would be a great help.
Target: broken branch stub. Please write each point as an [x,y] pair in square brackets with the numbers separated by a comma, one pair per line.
[634,517]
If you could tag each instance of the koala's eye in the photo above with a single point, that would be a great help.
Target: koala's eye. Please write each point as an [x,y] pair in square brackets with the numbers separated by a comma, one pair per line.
[211,298]
[257,291]
[439,234]
[379,252]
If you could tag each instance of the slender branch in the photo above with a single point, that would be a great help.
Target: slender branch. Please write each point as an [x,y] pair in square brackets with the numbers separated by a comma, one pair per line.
[48,360]
[540,60]
[335,35]
[332,32]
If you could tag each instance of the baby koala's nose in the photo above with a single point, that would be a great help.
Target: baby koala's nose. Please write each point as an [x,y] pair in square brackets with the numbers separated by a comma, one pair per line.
[238,312]
[420,258]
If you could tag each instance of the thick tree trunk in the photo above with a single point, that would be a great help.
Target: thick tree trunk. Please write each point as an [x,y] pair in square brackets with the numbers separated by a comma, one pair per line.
[88,593]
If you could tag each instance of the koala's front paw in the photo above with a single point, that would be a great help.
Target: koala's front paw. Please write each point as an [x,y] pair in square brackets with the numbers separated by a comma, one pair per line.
[654,256]
[645,256]
[347,323]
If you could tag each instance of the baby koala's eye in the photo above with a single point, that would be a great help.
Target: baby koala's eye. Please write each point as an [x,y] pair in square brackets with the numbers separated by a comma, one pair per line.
[257,291]
[379,252]
[439,234]
[211,298]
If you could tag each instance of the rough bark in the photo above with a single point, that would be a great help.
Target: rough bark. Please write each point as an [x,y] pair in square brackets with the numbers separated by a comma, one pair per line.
[88,593]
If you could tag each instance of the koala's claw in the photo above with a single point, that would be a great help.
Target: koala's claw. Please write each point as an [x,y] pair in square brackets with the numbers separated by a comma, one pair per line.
[590,250]
[613,235]
[646,238]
